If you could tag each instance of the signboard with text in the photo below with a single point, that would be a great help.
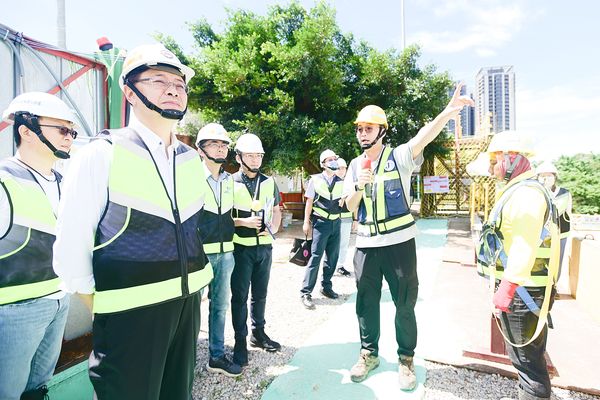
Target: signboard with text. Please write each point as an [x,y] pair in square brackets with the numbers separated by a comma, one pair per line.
[436,184]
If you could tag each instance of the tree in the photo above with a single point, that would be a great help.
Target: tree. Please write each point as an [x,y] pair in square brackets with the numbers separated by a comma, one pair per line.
[293,78]
[580,174]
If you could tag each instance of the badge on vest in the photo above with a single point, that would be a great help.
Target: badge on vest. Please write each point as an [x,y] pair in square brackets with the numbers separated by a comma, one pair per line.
[390,165]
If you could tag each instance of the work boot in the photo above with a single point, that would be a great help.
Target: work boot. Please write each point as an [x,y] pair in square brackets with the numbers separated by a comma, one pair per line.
[329,293]
[222,365]
[307,302]
[406,373]
[260,339]
[343,271]
[40,393]
[365,364]
[240,352]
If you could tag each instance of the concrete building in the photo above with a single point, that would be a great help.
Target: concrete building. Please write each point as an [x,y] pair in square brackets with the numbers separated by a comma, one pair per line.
[495,98]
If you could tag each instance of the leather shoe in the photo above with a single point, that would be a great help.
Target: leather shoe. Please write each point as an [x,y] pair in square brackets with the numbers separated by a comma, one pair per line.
[329,293]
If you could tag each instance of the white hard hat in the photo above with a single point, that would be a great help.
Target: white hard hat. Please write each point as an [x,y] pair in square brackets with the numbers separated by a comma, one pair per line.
[153,56]
[510,141]
[326,154]
[212,131]
[249,143]
[547,167]
[480,166]
[40,104]
[342,163]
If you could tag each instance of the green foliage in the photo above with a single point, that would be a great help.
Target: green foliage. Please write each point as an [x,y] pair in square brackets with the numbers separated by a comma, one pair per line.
[293,78]
[580,174]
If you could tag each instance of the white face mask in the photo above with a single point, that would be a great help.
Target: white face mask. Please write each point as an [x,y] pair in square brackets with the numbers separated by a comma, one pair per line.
[548,181]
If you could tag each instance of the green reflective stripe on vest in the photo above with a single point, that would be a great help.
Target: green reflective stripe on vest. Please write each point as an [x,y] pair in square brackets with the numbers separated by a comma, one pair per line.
[322,188]
[214,248]
[322,213]
[190,198]
[110,301]
[565,235]
[346,215]
[29,291]
[210,201]
[395,223]
[531,281]
[543,252]
[252,241]
[30,204]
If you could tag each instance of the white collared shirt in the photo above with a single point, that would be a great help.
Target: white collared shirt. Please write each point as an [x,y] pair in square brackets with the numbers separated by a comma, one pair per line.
[83,202]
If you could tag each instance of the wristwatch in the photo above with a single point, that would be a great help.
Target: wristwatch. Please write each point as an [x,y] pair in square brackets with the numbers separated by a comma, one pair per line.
[358,189]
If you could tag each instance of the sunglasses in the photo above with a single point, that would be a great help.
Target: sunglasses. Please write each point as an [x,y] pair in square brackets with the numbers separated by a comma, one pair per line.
[64,130]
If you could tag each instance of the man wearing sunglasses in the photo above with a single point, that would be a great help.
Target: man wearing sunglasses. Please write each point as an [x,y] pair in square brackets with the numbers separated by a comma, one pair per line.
[133,252]
[33,311]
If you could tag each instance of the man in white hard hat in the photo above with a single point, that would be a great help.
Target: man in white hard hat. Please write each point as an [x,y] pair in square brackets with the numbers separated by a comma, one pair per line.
[548,175]
[257,217]
[133,252]
[346,222]
[322,212]
[33,310]
[377,186]
[216,230]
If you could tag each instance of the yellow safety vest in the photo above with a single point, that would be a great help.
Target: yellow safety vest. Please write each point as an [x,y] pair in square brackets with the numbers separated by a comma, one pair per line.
[26,248]
[216,225]
[326,202]
[389,211]
[147,247]
[242,208]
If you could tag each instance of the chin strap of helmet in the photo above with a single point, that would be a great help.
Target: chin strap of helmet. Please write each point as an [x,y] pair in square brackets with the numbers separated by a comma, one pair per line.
[381,134]
[213,159]
[168,113]
[510,166]
[253,170]
[31,122]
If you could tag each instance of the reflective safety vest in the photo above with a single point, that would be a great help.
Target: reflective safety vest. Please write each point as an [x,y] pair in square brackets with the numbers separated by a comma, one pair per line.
[216,224]
[326,202]
[345,213]
[26,249]
[147,248]
[491,249]
[242,208]
[385,210]
[562,200]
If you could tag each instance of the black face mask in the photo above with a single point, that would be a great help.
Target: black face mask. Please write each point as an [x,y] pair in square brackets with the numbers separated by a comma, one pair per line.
[168,113]
[381,133]
[31,122]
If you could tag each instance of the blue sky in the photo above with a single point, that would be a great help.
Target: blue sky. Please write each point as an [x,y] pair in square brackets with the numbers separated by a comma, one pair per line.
[552,44]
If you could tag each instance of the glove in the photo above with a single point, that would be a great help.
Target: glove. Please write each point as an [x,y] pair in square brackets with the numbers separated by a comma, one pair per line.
[504,295]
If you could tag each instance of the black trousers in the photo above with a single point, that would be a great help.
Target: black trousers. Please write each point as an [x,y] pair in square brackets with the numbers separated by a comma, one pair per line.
[519,326]
[326,241]
[147,353]
[252,271]
[398,265]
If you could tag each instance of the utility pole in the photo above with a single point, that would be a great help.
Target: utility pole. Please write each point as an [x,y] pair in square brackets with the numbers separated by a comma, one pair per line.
[403,20]
[60,24]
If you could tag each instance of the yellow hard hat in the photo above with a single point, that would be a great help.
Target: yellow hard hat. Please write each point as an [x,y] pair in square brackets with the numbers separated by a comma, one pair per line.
[510,141]
[373,115]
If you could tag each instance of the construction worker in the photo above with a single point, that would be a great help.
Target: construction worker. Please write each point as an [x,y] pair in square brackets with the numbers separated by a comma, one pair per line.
[216,229]
[518,253]
[346,222]
[377,185]
[322,212]
[133,251]
[33,310]
[563,200]
[257,216]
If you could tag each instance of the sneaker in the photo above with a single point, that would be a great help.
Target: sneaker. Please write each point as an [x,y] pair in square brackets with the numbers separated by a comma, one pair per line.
[343,271]
[406,373]
[329,293]
[307,302]
[222,365]
[366,363]
[260,339]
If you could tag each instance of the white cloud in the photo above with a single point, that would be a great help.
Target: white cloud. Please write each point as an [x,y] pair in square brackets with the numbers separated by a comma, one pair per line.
[482,27]
[563,120]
